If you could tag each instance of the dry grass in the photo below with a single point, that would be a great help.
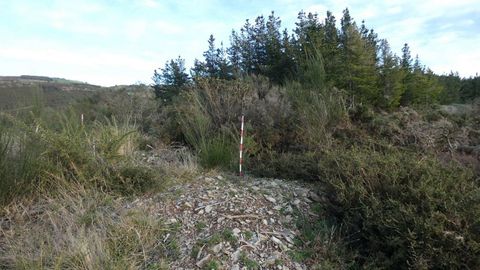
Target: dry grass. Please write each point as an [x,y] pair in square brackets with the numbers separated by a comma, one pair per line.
[82,229]
[80,226]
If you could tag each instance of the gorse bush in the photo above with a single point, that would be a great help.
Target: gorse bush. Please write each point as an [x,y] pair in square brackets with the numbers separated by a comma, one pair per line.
[403,210]
[288,165]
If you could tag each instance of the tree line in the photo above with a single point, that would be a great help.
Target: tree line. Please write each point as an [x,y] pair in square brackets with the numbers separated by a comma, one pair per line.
[352,58]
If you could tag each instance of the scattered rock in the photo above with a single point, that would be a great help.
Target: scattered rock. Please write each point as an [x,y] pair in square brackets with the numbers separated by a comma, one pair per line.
[235,255]
[298,266]
[263,223]
[270,199]
[217,248]
[279,243]
[171,221]
[314,197]
[203,261]
[272,259]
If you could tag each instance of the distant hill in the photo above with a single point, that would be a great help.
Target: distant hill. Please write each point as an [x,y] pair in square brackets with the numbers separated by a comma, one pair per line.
[17,92]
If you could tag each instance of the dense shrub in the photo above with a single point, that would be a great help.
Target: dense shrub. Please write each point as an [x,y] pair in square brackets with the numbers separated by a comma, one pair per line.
[297,166]
[133,179]
[209,117]
[403,210]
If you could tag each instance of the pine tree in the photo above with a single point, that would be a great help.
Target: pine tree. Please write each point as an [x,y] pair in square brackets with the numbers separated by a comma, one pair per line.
[234,53]
[452,84]
[390,77]
[358,62]
[260,48]
[330,50]
[215,64]
[170,80]
[421,85]
[406,58]
[470,89]
[273,44]
[407,69]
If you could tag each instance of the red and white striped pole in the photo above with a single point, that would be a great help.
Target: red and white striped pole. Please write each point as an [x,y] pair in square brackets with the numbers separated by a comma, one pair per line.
[241,147]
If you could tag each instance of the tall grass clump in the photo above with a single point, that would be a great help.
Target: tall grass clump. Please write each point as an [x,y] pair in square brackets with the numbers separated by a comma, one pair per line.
[318,106]
[318,110]
[39,155]
[214,147]
[20,165]
[402,209]
[209,117]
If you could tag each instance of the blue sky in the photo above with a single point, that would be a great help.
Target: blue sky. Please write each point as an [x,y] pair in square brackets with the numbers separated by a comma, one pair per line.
[110,42]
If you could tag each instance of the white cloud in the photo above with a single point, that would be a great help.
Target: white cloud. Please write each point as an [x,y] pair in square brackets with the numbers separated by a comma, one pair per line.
[134,30]
[93,65]
[394,10]
[318,8]
[143,34]
[150,3]
[168,28]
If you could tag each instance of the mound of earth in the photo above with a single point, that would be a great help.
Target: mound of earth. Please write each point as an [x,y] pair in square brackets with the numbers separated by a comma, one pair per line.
[232,222]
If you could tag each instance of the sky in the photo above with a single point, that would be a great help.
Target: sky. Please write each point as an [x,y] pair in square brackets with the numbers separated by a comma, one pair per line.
[114,42]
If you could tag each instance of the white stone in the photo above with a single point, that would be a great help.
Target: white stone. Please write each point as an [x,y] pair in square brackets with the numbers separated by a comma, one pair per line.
[270,199]
[203,261]
[235,255]
[216,249]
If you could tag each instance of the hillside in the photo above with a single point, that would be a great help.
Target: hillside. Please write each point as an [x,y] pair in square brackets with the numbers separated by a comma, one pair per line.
[22,91]
[350,157]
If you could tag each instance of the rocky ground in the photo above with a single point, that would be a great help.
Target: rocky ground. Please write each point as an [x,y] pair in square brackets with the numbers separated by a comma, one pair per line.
[227,222]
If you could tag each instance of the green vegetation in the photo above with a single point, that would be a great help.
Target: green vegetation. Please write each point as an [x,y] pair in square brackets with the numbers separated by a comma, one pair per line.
[329,105]
[68,182]
[351,57]
[400,208]
[247,262]
[212,265]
